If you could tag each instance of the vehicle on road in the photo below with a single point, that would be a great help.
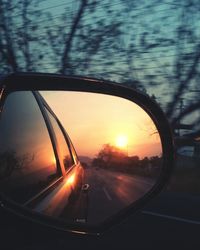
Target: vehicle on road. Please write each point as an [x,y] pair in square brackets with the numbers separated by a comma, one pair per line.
[39,165]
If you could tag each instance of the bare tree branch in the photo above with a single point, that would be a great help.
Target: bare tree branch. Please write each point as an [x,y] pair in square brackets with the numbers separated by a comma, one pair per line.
[10,53]
[68,44]
[184,83]
[25,48]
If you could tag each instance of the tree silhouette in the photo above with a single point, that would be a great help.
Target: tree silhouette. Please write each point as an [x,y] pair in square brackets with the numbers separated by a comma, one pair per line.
[10,162]
[123,41]
[112,158]
[109,151]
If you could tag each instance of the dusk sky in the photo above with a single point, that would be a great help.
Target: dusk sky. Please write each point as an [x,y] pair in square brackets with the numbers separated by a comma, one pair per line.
[92,120]
[145,23]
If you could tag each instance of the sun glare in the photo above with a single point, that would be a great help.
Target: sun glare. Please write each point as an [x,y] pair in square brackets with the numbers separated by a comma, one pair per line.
[121,141]
[71,179]
[53,159]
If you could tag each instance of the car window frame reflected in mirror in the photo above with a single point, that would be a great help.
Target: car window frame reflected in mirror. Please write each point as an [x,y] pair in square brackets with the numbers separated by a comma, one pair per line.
[39,82]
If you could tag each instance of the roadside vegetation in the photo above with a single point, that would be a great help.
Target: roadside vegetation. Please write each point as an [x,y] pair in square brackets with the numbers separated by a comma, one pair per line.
[112,158]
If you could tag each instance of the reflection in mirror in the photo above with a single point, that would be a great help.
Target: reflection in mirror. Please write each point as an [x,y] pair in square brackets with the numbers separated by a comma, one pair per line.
[81,157]
[27,161]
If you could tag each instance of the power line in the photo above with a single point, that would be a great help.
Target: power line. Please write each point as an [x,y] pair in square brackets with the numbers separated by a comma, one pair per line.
[46,8]
[65,5]
[58,16]
[175,4]
[96,8]
[40,35]
[109,5]
[69,23]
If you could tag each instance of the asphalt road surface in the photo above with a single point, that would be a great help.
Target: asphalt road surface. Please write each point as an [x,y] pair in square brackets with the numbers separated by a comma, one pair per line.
[111,191]
[169,221]
[180,230]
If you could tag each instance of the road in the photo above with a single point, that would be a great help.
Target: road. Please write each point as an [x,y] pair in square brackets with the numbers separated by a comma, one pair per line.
[139,231]
[169,221]
[112,191]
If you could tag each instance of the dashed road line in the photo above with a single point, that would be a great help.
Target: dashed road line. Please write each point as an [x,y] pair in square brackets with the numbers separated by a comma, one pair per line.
[172,217]
[107,194]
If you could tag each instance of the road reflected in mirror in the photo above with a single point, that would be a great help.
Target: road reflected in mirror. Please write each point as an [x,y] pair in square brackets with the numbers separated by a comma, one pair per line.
[118,146]
[91,155]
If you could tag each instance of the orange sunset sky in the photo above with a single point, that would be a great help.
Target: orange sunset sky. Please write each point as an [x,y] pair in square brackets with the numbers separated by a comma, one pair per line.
[92,120]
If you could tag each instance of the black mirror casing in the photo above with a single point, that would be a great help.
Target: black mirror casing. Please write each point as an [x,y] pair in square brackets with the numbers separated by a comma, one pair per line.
[39,82]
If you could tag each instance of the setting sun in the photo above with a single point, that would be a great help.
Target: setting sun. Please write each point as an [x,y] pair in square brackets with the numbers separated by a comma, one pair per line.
[104,119]
[121,141]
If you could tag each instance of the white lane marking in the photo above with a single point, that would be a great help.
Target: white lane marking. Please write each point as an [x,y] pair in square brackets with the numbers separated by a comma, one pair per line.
[172,217]
[107,194]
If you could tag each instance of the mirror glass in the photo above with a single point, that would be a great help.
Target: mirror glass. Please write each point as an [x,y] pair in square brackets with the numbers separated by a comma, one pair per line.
[79,157]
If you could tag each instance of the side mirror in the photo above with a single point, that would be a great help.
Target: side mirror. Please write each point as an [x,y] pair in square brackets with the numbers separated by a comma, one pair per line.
[79,154]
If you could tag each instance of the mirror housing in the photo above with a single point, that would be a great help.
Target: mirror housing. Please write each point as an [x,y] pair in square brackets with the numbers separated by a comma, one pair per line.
[44,82]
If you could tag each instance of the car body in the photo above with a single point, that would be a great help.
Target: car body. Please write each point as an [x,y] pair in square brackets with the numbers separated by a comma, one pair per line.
[51,177]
